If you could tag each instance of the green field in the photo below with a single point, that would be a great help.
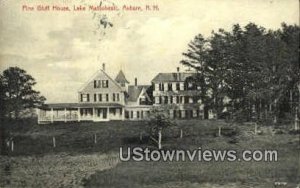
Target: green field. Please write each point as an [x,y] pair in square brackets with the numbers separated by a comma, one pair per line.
[78,161]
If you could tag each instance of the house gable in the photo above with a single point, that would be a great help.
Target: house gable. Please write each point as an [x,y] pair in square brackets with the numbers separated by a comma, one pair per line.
[99,77]
[143,94]
[135,93]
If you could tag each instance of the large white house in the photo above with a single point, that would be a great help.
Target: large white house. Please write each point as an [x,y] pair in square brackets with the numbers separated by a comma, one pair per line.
[103,98]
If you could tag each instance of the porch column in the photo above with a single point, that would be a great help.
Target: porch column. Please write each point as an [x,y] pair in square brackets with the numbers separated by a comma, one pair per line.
[123,113]
[65,114]
[52,115]
[107,113]
[94,114]
[78,115]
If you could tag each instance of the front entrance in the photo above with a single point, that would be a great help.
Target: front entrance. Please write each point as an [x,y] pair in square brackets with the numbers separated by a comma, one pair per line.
[101,114]
[104,111]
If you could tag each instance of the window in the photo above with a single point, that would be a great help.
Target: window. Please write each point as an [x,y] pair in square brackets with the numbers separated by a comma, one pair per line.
[143,100]
[156,100]
[142,114]
[166,99]
[105,83]
[95,97]
[100,97]
[161,87]
[186,99]
[177,86]
[112,111]
[179,114]
[160,100]
[138,114]
[85,97]
[97,83]
[181,99]
[177,99]
[170,86]
[182,86]
[122,84]
[107,97]
[131,114]
[171,100]
[126,114]
[118,97]
[114,97]
[100,83]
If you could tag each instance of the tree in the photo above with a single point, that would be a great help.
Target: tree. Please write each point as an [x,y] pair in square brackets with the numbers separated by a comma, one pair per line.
[158,121]
[195,57]
[17,92]
[255,68]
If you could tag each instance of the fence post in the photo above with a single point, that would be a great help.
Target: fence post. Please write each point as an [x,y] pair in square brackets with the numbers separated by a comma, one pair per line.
[255,129]
[181,133]
[296,119]
[95,139]
[12,145]
[220,130]
[141,136]
[54,141]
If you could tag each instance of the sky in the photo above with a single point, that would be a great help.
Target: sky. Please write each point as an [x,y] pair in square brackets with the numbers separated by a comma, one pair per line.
[62,50]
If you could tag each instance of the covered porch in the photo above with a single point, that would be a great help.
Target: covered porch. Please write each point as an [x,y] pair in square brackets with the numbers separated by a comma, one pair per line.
[71,112]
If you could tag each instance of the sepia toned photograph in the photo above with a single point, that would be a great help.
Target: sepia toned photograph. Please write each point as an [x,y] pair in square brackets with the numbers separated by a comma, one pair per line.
[149,93]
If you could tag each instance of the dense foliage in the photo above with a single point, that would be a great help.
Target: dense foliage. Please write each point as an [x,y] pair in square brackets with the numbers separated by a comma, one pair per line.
[252,72]
[17,93]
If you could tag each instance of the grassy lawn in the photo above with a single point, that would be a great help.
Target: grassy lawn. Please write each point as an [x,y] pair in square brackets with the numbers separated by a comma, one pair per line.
[78,161]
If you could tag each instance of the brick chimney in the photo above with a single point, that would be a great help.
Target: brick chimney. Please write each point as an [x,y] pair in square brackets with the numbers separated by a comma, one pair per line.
[135,81]
[178,73]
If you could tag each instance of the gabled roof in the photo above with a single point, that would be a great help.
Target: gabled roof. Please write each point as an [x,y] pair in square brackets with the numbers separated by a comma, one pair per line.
[120,78]
[172,77]
[135,91]
[95,75]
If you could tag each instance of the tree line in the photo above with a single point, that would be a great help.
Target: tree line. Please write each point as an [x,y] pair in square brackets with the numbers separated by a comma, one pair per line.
[250,71]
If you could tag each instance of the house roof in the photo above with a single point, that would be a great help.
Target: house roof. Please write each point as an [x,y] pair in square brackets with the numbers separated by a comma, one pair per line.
[172,77]
[95,75]
[120,78]
[135,91]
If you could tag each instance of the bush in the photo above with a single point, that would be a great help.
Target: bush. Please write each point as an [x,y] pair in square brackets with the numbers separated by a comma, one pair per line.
[294,132]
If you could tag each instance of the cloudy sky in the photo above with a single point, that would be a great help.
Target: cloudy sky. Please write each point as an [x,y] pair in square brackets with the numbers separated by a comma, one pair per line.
[61,50]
